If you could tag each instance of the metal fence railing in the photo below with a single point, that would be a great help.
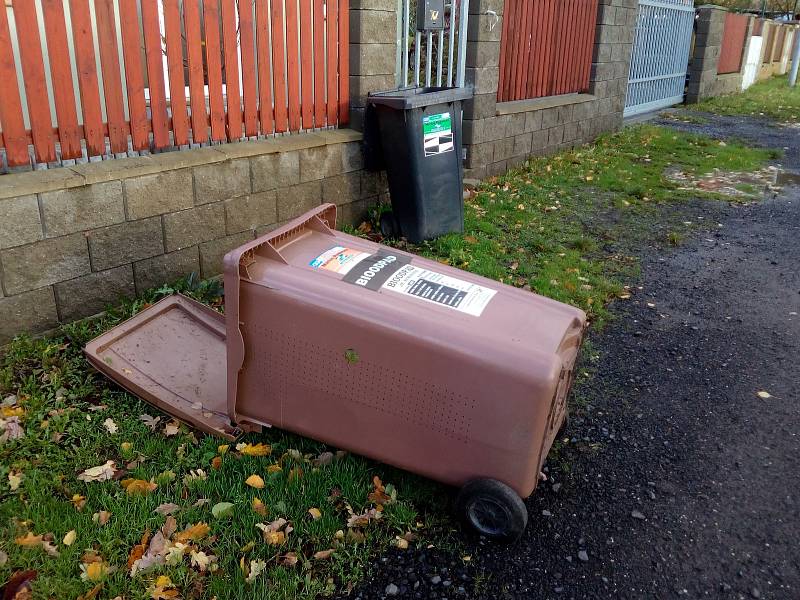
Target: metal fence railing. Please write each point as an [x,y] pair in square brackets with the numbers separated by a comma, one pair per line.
[432,59]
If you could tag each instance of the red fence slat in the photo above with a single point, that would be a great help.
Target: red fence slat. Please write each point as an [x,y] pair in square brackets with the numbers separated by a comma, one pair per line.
[230,50]
[134,75]
[214,65]
[30,51]
[61,75]
[307,65]
[88,84]
[264,47]
[279,67]
[247,40]
[344,61]
[319,63]
[177,83]
[333,52]
[155,73]
[194,57]
[293,64]
[112,83]
[15,139]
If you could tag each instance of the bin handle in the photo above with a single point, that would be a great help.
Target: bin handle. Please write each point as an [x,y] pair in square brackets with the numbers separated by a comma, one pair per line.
[323,220]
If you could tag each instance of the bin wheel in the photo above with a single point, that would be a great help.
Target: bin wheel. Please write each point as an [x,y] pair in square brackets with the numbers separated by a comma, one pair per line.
[492,509]
[389,227]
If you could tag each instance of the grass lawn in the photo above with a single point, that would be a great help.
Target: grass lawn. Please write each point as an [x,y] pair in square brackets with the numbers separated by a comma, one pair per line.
[770,98]
[565,226]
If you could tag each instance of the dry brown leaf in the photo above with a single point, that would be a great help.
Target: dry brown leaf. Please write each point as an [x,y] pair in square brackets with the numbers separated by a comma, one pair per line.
[138,550]
[288,560]
[172,428]
[194,533]
[274,538]
[69,537]
[315,513]
[14,480]
[151,422]
[254,449]
[45,542]
[259,507]
[216,462]
[102,517]
[323,554]
[100,473]
[255,481]
[138,487]
[166,509]
[274,469]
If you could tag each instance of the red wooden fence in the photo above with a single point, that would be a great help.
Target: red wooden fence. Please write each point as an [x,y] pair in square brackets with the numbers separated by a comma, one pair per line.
[734,36]
[546,48]
[289,81]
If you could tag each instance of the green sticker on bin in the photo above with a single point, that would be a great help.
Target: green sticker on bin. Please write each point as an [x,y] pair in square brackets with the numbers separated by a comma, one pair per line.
[437,134]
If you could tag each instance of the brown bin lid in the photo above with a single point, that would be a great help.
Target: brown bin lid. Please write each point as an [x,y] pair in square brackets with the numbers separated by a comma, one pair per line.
[172,355]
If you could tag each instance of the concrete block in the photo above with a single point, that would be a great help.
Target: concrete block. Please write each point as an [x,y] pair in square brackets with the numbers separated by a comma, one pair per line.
[92,293]
[483,81]
[570,132]
[273,171]
[503,149]
[44,262]
[251,212]
[481,106]
[159,193]
[483,54]
[373,59]
[555,135]
[190,227]
[480,155]
[362,85]
[367,26]
[382,5]
[321,162]
[298,199]
[550,117]
[497,169]
[354,213]
[214,183]
[165,268]
[352,157]
[533,121]
[371,184]
[125,243]
[81,208]
[212,253]
[515,124]
[482,7]
[20,222]
[484,28]
[522,144]
[342,189]
[29,312]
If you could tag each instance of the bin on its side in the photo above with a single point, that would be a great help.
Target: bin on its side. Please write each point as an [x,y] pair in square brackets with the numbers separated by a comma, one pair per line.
[368,348]
[420,137]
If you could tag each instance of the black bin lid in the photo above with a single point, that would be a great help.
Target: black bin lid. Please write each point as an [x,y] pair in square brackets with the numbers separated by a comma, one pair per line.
[419,97]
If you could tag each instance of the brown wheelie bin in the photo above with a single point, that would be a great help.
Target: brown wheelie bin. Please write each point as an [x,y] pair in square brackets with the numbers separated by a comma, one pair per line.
[364,347]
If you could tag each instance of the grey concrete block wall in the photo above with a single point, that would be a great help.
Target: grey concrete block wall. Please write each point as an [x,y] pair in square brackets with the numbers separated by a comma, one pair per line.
[74,239]
[705,58]
[501,136]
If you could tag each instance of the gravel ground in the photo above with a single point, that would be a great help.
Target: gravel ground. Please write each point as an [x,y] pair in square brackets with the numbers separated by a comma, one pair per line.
[678,480]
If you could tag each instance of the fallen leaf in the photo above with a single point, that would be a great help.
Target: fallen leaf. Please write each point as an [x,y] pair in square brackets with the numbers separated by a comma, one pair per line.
[95,571]
[151,422]
[315,513]
[254,449]
[764,395]
[138,550]
[166,509]
[402,543]
[256,568]
[223,448]
[274,538]
[255,481]
[99,473]
[163,589]
[364,518]
[12,429]
[174,555]
[200,501]
[195,475]
[14,480]
[259,507]
[203,561]
[18,587]
[110,426]
[93,593]
[3,558]
[216,462]
[222,510]
[126,447]
[78,501]
[194,533]
[102,517]
[172,428]
[138,487]
[295,473]
[288,560]
[323,459]
[274,469]
[323,554]
[30,540]
[69,538]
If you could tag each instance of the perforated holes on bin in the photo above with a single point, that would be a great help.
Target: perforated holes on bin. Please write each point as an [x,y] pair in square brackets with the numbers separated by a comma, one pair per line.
[288,361]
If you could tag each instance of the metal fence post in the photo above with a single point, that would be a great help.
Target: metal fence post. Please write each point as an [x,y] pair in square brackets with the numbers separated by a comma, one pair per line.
[795,58]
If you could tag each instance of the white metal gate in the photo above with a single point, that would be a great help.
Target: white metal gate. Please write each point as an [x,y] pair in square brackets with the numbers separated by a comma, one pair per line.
[660,55]
[432,58]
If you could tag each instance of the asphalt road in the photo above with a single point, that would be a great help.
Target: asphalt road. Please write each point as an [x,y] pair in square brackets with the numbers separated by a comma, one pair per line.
[679,480]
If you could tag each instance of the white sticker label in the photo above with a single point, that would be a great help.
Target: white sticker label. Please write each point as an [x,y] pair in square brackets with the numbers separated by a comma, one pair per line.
[437,134]
[440,289]
[338,259]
